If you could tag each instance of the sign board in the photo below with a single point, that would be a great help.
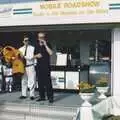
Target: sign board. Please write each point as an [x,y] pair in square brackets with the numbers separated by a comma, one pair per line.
[61,59]
[58,79]
[60,12]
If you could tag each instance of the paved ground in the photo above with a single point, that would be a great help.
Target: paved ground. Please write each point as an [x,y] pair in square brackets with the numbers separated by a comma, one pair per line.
[60,99]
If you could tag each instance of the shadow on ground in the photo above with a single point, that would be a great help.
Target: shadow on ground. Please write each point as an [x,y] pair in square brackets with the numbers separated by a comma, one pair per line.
[60,97]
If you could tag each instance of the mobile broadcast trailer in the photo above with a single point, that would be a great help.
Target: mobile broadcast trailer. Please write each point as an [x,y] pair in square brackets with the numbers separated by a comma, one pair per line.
[67,15]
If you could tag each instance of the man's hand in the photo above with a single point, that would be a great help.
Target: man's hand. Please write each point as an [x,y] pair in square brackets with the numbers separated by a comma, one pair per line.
[44,42]
[13,58]
[38,55]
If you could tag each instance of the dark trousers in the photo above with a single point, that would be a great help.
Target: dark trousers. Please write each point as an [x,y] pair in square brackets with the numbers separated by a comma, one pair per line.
[44,84]
[17,81]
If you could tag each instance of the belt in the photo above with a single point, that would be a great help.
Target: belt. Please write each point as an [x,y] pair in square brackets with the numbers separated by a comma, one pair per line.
[8,76]
[29,65]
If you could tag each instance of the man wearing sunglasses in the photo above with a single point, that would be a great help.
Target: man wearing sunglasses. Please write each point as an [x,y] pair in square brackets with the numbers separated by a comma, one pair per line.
[43,52]
[29,77]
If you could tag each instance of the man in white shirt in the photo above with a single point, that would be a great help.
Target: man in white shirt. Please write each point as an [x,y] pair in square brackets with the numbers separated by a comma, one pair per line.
[29,77]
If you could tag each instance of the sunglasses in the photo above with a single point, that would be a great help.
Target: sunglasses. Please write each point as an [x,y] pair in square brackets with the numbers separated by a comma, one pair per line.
[25,40]
[41,37]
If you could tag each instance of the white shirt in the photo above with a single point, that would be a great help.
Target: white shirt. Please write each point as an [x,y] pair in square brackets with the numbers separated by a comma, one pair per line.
[29,54]
[7,71]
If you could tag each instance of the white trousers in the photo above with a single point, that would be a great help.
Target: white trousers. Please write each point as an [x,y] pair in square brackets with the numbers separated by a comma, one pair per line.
[29,81]
[8,82]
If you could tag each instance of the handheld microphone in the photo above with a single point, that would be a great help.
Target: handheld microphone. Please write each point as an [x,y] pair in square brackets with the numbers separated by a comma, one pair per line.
[42,42]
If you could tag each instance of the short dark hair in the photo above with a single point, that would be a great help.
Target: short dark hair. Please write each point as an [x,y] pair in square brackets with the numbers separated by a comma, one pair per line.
[26,36]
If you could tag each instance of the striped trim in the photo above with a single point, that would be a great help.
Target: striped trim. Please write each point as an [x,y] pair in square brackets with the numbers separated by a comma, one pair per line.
[25,9]
[22,11]
[114,6]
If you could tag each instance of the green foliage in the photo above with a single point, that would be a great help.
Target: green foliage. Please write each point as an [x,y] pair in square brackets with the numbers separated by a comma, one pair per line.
[85,87]
[102,82]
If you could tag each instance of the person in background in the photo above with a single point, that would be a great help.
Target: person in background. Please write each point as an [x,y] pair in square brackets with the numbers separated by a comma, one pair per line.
[2,81]
[13,58]
[43,52]
[8,78]
[29,77]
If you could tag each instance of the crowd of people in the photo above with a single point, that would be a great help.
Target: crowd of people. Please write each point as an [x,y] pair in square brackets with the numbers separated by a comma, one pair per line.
[27,64]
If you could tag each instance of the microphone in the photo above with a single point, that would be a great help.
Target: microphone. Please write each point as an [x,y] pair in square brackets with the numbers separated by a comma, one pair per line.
[41,42]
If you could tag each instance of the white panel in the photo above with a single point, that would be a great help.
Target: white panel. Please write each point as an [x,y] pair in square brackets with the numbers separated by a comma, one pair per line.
[115,62]
[72,80]
[61,59]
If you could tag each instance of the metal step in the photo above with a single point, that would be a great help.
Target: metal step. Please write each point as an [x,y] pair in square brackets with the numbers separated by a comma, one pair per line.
[14,116]
[11,111]
[23,116]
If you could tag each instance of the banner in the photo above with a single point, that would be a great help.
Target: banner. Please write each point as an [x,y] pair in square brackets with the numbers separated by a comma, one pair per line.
[60,12]
[69,8]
